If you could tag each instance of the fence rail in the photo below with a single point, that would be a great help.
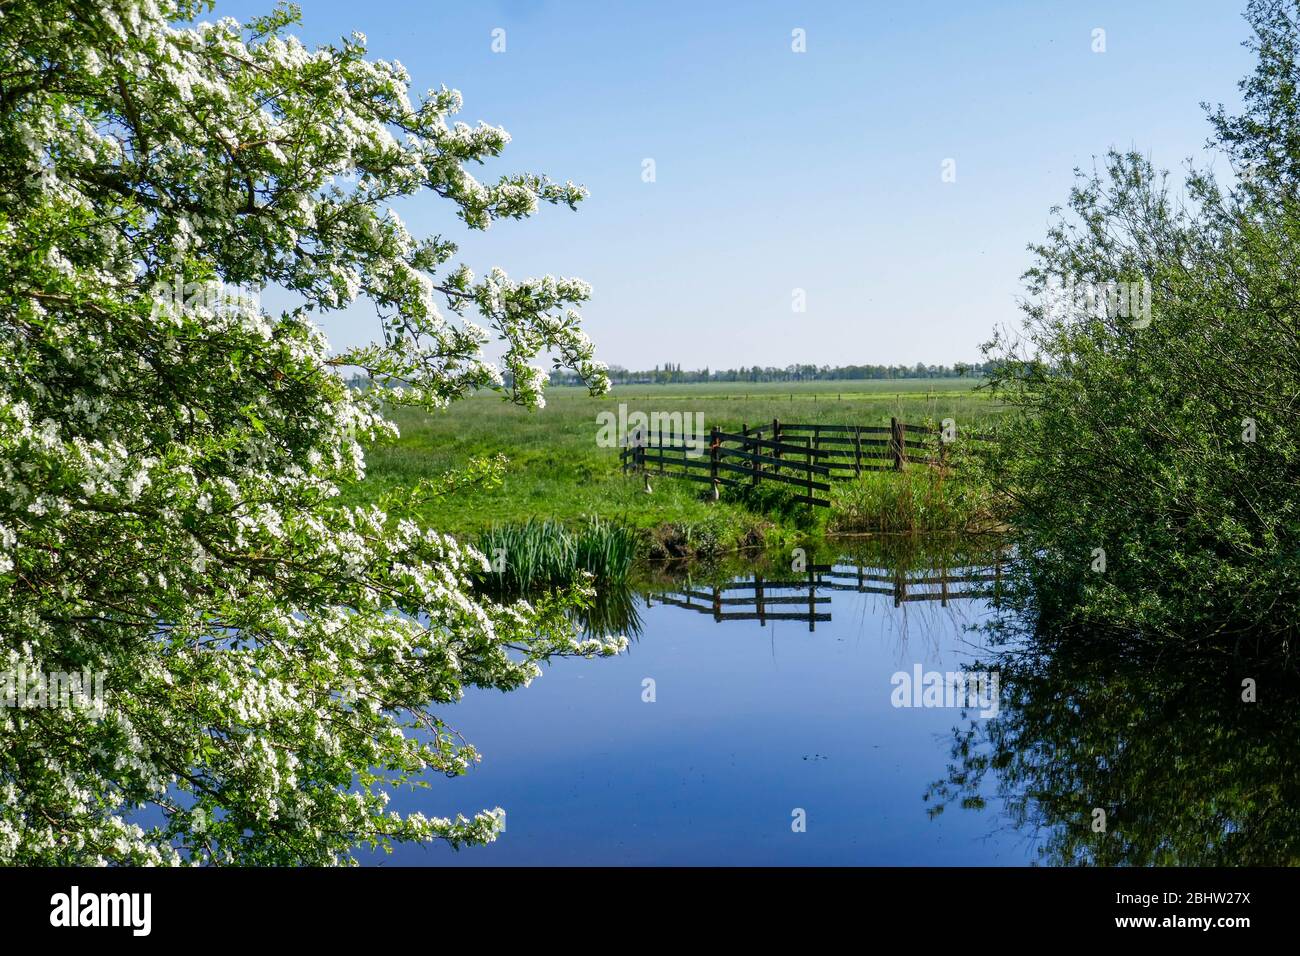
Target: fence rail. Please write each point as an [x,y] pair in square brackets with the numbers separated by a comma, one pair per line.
[807,457]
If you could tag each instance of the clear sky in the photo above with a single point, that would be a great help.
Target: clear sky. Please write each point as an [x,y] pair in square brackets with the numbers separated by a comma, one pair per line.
[777,170]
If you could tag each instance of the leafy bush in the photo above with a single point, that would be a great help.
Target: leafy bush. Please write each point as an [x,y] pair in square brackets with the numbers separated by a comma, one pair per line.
[1153,459]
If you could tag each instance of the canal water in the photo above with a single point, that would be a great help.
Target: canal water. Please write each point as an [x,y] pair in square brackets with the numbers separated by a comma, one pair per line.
[793,710]
[762,715]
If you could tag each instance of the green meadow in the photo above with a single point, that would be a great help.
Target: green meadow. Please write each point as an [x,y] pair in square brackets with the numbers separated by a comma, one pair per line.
[557,470]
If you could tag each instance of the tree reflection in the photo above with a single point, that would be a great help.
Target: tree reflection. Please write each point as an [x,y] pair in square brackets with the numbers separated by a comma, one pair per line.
[615,608]
[1186,771]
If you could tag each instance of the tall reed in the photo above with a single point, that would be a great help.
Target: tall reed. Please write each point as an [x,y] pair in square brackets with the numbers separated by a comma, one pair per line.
[544,553]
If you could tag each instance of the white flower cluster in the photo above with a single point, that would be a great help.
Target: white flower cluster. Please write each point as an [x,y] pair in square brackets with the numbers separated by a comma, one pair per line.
[171,466]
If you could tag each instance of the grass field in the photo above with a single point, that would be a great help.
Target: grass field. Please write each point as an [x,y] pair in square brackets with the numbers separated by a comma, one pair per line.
[557,470]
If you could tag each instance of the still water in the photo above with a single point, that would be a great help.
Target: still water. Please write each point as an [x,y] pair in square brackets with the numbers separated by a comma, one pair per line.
[753,721]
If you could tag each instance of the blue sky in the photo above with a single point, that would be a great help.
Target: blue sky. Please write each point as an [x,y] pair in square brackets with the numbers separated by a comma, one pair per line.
[778,170]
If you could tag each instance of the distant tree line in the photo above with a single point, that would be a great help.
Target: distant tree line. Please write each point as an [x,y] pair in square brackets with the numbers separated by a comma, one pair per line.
[670,373]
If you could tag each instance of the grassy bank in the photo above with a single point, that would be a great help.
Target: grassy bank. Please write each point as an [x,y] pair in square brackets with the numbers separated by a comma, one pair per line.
[556,470]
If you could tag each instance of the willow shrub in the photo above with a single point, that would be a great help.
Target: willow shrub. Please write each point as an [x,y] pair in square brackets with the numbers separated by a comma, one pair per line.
[1151,459]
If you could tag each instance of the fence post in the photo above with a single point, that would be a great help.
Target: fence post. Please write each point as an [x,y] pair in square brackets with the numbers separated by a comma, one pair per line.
[857,450]
[661,446]
[808,470]
[896,440]
[713,460]
[776,437]
[812,600]
[752,448]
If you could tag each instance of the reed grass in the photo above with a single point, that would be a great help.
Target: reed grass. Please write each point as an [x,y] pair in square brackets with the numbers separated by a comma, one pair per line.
[544,553]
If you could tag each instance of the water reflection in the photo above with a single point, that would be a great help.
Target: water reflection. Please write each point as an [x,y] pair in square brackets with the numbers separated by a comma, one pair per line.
[1100,755]
[741,731]
[1185,771]
[762,588]
[805,598]
[762,689]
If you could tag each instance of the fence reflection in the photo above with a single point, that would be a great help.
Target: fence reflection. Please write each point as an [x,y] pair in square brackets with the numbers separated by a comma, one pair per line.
[802,597]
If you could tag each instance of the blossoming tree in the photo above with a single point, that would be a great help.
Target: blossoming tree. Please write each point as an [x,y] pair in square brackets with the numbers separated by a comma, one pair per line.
[170,463]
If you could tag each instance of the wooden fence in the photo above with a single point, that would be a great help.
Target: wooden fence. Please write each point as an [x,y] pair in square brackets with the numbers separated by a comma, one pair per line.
[800,599]
[806,457]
